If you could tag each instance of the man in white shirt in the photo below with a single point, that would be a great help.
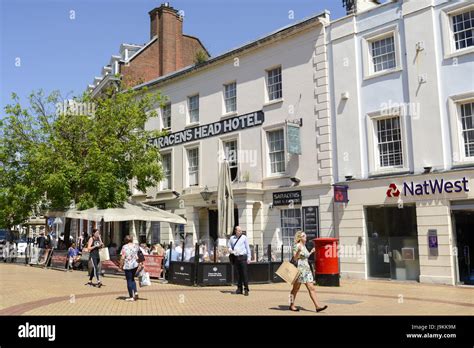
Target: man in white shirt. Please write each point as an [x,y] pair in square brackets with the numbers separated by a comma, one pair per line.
[239,247]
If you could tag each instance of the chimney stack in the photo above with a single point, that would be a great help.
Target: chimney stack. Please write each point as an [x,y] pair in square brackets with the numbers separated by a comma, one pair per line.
[167,24]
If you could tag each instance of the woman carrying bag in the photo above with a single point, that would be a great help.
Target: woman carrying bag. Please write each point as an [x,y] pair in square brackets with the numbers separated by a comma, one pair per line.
[130,262]
[300,257]
[93,246]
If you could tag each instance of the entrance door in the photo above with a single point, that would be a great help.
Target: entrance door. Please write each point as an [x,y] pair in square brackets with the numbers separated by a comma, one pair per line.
[393,242]
[464,222]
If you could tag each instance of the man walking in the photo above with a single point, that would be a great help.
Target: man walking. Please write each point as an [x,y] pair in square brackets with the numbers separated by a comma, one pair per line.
[239,247]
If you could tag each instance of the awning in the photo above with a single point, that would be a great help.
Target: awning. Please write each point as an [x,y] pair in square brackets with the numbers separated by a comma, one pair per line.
[128,212]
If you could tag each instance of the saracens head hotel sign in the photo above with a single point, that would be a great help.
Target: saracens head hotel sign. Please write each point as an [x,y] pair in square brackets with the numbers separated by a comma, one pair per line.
[209,130]
[429,187]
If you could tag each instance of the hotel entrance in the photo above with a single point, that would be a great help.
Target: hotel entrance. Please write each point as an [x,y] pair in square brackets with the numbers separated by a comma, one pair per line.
[463,221]
[393,242]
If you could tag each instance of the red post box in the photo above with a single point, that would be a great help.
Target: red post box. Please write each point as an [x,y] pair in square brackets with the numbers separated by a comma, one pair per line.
[326,261]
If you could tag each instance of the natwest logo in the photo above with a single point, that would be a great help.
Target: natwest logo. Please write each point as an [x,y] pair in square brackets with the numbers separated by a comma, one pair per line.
[429,187]
[393,191]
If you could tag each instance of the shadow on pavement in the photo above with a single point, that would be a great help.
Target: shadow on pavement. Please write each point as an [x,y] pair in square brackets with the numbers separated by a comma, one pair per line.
[287,309]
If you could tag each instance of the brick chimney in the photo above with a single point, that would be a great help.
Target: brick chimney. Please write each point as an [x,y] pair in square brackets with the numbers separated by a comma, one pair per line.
[171,51]
[167,24]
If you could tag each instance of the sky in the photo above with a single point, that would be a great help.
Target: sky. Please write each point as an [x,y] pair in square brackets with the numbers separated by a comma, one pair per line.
[62,44]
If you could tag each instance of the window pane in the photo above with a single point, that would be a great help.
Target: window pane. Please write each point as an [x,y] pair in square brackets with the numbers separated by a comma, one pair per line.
[463,27]
[389,142]
[193,106]
[383,54]
[467,121]
[274,85]
[276,149]
[166,116]
[193,166]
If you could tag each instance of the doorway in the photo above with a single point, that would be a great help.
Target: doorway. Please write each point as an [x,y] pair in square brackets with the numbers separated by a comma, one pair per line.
[393,242]
[214,221]
[464,225]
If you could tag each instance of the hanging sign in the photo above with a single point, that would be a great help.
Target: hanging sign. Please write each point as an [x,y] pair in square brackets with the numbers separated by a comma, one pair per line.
[294,138]
[340,194]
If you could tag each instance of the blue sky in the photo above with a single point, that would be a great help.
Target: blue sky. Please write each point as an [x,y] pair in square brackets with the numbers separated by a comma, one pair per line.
[57,52]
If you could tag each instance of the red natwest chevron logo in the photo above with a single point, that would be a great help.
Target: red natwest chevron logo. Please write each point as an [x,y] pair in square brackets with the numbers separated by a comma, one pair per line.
[393,191]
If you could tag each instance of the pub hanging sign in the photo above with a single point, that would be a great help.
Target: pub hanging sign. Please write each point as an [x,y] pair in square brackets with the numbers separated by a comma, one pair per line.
[228,125]
[340,194]
[286,198]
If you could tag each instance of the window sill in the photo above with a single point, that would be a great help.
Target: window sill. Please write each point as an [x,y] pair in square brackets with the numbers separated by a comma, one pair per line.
[230,114]
[272,102]
[276,177]
[191,125]
[382,73]
[387,172]
[468,163]
[458,53]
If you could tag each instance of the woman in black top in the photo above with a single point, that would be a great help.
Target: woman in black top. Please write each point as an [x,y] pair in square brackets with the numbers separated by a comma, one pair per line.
[93,246]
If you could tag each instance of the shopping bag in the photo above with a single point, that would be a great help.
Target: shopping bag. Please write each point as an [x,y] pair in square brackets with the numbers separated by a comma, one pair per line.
[145,279]
[288,272]
[104,254]
[85,256]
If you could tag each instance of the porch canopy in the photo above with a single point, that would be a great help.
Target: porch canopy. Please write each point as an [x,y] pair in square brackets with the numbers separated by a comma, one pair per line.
[128,212]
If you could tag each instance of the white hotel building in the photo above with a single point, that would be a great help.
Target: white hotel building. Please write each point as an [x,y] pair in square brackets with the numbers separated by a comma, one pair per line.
[402,96]
[237,105]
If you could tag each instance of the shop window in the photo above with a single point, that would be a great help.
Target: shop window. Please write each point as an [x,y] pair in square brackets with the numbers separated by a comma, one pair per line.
[290,223]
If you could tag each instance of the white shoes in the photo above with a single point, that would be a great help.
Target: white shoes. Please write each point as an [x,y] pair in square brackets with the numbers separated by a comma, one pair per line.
[130,299]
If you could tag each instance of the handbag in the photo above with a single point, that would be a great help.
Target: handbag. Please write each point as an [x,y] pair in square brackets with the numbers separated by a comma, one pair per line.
[145,279]
[141,257]
[288,272]
[232,257]
[85,256]
[104,254]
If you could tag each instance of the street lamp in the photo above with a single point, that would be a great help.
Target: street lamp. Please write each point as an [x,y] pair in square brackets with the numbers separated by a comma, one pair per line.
[206,194]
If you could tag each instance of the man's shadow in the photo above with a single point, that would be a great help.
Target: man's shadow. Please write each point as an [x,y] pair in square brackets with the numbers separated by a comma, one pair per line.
[125,297]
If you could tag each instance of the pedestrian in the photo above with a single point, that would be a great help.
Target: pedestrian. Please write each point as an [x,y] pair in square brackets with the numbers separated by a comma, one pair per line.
[239,247]
[144,249]
[130,265]
[41,241]
[301,255]
[73,256]
[93,246]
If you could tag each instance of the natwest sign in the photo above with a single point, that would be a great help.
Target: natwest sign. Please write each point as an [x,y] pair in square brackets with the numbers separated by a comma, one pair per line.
[429,187]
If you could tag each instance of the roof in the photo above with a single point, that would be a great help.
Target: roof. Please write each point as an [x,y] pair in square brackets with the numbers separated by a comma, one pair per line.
[286,30]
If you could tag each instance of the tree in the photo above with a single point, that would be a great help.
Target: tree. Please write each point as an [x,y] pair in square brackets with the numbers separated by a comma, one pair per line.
[85,151]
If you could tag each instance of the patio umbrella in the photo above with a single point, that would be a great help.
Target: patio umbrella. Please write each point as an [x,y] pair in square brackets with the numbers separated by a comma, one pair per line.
[225,199]
[129,211]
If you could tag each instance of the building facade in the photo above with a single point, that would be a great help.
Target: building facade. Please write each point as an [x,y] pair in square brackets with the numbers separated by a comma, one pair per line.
[266,110]
[402,93]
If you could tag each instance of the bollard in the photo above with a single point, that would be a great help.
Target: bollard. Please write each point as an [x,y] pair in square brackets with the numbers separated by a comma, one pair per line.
[256,252]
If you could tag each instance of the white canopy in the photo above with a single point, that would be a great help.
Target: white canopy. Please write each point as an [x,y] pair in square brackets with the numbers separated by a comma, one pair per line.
[128,212]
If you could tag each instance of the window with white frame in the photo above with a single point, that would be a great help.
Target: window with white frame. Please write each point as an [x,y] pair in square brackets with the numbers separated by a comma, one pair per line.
[463,29]
[193,108]
[230,97]
[166,165]
[276,151]
[290,223]
[389,138]
[274,84]
[467,121]
[383,54]
[230,151]
[166,116]
[193,166]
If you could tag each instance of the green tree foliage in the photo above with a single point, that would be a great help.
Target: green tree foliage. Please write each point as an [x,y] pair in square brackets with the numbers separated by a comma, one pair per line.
[53,152]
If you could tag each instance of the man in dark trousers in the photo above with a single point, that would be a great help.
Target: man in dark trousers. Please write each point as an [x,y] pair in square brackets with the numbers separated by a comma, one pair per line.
[239,247]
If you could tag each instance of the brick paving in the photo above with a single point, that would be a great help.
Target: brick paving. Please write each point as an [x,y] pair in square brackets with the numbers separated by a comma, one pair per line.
[30,290]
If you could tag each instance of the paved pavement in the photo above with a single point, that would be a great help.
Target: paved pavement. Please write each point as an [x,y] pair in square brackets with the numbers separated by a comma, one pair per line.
[27,290]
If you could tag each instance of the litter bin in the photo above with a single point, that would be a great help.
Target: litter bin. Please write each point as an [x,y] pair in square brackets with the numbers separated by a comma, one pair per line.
[326,261]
